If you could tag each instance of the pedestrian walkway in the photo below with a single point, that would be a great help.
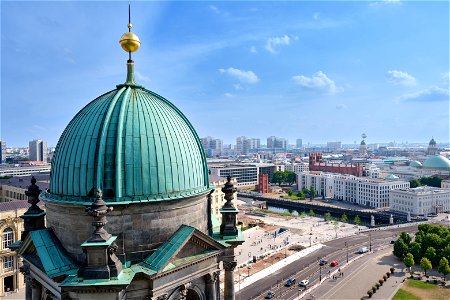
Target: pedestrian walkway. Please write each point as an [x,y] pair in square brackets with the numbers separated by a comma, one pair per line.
[361,275]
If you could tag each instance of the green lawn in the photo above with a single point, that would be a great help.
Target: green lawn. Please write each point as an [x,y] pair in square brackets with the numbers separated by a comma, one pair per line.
[420,290]
[420,284]
[404,295]
[293,197]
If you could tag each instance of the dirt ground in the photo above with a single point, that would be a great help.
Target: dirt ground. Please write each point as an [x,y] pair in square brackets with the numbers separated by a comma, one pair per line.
[437,292]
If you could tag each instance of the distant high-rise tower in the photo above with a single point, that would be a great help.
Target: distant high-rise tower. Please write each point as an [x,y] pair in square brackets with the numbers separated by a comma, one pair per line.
[2,151]
[432,147]
[274,142]
[363,146]
[299,143]
[38,150]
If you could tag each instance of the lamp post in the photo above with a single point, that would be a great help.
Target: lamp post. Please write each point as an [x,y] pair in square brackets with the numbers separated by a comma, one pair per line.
[320,274]
[346,245]
[370,241]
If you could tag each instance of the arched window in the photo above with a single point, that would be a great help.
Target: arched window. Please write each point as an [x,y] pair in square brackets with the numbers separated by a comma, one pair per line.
[8,237]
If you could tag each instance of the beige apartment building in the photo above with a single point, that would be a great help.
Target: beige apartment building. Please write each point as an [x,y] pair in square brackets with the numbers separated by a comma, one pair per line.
[14,188]
[11,227]
[218,199]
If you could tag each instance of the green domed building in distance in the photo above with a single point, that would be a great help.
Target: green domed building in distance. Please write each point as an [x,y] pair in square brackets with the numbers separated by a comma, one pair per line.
[128,212]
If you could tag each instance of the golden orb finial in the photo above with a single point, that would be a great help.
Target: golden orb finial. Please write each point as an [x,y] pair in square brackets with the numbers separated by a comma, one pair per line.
[129,41]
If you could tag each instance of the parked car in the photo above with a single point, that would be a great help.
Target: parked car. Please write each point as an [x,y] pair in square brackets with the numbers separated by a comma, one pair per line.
[304,282]
[270,295]
[362,250]
[334,263]
[323,262]
[392,242]
[290,282]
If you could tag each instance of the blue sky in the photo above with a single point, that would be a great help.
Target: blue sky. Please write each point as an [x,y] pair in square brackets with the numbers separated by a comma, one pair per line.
[320,71]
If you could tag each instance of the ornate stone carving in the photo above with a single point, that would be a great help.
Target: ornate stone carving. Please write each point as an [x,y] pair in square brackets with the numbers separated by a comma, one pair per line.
[98,211]
[163,297]
[228,211]
[229,265]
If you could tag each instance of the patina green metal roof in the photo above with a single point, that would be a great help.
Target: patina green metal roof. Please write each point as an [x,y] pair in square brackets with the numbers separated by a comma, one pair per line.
[134,145]
[54,259]
[158,259]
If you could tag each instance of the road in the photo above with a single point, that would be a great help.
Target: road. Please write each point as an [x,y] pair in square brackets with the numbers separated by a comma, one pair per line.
[308,267]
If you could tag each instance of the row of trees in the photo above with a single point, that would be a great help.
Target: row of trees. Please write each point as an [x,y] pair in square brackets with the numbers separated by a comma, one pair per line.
[430,181]
[344,218]
[431,247]
[286,177]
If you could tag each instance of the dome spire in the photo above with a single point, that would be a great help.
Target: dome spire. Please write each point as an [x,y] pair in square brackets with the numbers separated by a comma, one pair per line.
[130,43]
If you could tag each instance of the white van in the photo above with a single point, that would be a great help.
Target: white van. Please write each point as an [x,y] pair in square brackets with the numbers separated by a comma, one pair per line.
[363,250]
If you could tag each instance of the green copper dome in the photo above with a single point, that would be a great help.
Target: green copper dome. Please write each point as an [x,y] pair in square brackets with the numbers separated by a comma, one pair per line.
[134,145]
[437,162]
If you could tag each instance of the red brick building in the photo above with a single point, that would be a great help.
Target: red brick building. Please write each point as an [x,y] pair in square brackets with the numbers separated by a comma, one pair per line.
[316,163]
[263,183]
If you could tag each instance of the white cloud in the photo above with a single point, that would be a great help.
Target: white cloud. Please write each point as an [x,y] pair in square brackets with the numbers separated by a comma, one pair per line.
[253,49]
[400,77]
[319,81]
[341,106]
[316,16]
[142,77]
[432,94]
[214,9]
[274,42]
[238,87]
[242,76]
[385,3]
[228,95]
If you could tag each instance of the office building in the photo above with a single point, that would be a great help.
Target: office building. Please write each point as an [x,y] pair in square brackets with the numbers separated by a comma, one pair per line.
[2,151]
[299,143]
[420,201]
[211,146]
[246,145]
[274,142]
[13,189]
[334,145]
[370,192]
[24,170]
[244,175]
[38,150]
[297,167]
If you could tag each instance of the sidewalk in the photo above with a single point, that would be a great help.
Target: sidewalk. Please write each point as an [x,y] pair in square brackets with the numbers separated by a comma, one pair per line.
[360,276]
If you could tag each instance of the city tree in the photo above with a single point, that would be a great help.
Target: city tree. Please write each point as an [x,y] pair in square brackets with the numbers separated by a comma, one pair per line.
[415,249]
[291,177]
[408,261]
[302,215]
[300,195]
[400,248]
[414,183]
[431,255]
[344,218]
[312,192]
[405,237]
[290,193]
[425,265]
[327,216]
[444,268]
[357,220]
[278,177]
[311,213]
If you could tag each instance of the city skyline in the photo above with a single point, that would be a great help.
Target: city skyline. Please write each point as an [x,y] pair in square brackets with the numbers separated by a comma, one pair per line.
[320,71]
